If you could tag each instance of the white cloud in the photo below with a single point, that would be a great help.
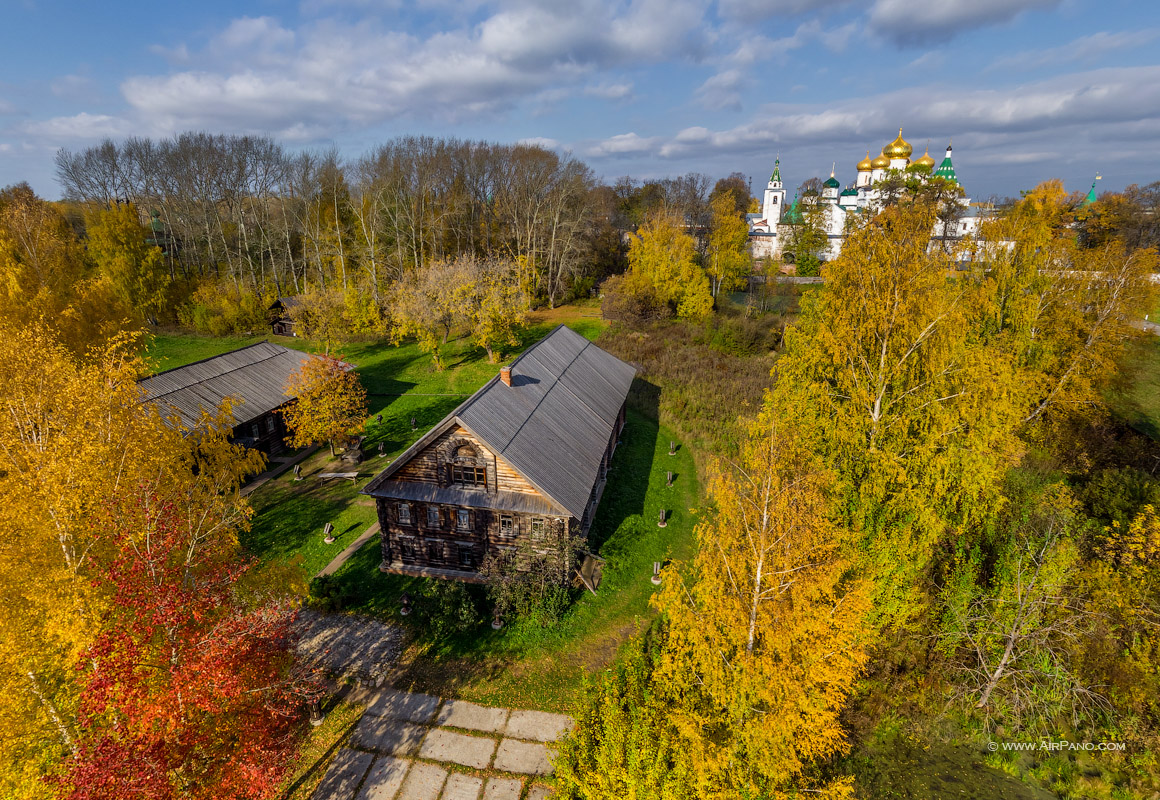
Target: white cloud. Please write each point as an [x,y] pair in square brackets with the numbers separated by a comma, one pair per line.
[623,144]
[1083,49]
[257,75]
[610,91]
[722,91]
[905,22]
[540,141]
[1023,123]
[760,9]
[79,126]
[73,86]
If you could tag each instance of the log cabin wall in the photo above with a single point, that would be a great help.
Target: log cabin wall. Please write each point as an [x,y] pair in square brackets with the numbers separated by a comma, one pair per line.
[266,432]
[433,464]
[452,541]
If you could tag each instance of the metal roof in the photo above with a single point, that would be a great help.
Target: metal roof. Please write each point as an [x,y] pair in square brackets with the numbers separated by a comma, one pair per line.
[552,424]
[254,377]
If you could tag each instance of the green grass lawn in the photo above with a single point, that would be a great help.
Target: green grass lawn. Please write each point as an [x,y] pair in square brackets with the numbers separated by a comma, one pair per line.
[531,667]
[1136,397]
[521,665]
[289,517]
[170,350]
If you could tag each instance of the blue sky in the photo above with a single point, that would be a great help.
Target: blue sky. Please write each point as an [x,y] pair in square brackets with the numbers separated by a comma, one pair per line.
[1027,89]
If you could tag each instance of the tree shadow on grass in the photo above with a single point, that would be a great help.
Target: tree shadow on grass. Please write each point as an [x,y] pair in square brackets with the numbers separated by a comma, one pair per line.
[284,526]
[628,476]
[395,431]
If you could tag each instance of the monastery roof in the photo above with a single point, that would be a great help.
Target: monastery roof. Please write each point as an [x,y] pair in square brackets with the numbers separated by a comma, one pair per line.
[254,377]
[552,424]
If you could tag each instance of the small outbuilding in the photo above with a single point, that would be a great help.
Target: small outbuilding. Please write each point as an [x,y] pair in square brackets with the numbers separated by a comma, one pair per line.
[525,457]
[254,378]
[281,323]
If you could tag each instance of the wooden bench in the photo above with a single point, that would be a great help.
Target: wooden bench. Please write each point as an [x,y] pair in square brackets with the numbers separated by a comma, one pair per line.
[350,476]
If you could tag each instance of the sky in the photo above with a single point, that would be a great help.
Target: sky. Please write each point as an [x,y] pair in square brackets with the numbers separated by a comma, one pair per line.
[1027,89]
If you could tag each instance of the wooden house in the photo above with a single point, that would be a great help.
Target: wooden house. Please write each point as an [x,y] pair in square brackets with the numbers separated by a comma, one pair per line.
[254,378]
[525,456]
[281,323]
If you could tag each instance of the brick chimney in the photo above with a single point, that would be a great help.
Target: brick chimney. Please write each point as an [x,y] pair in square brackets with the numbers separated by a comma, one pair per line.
[505,375]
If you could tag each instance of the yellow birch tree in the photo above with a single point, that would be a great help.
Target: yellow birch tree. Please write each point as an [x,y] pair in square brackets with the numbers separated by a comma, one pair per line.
[766,634]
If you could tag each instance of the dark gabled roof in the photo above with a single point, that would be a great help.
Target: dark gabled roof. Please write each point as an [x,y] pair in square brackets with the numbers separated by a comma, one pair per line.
[255,377]
[286,303]
[552,424]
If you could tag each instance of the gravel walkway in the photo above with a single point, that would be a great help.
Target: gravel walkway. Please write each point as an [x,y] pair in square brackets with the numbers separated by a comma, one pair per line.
[348,645]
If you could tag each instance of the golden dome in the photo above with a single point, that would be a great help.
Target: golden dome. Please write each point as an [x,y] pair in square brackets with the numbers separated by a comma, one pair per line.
[865,165]
[899,148]
[881,162]
[925,160]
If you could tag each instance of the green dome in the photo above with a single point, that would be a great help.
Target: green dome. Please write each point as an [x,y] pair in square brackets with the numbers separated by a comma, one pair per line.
[831,183]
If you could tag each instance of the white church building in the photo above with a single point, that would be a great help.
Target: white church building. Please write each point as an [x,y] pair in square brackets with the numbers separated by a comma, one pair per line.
[770,230]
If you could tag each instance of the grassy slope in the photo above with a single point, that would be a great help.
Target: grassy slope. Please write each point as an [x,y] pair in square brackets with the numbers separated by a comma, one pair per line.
[1137,398]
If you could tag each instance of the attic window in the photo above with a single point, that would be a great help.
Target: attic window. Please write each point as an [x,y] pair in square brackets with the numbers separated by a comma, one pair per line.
[468,476]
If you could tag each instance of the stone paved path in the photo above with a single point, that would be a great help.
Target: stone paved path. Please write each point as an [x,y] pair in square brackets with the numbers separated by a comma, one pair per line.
[410,746]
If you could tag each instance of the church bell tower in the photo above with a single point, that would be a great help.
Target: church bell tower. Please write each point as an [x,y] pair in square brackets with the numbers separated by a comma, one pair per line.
[772,205]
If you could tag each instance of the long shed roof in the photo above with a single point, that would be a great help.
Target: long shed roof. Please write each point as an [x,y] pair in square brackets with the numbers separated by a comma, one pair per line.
[254,376]
[552,424]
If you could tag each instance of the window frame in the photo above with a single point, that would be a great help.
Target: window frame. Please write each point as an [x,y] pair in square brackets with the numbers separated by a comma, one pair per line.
[434,518]
[469,475]
[465,558]
[407,547]
[538,529]
[507,525]
[403,513]
[462,519]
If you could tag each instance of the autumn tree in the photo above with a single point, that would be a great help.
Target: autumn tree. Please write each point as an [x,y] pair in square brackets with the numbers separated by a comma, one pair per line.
[1014,634]
[75,440]
[428,303]
[807,241]
[727,252]
[736,189]
[330,403]
[45,275]
[916,419]
[624,743]
[117,244]
[1059,313]
[766,633]
[185,693]
[494,305]
[662,256]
